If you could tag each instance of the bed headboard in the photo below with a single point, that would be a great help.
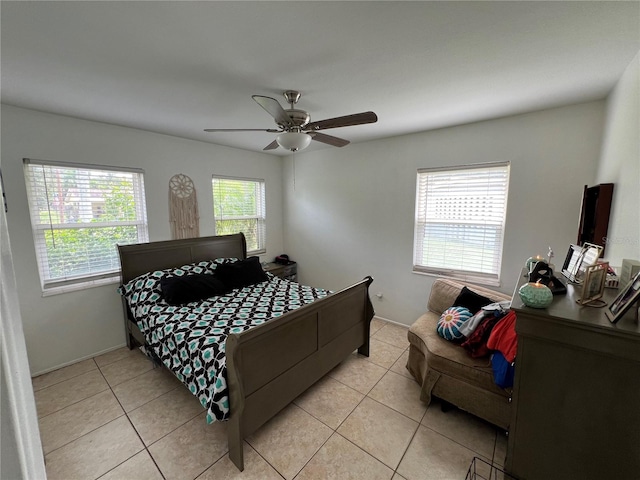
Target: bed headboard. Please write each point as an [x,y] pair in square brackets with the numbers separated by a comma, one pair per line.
[141,258]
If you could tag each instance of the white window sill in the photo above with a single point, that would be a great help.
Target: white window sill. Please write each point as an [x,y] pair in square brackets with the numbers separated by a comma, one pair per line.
[492,282]
[74,287]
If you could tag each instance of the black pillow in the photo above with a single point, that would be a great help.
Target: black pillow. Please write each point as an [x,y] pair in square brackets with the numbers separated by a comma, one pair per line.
[471,300]
[190,288]
[242,273]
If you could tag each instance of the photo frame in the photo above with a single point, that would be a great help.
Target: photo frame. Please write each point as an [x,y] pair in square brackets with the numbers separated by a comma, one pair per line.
[578,259]
[593,285]
[627,297]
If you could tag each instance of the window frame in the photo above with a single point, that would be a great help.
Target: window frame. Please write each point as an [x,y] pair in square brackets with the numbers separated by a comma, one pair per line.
[489,276]
[260,217]
[56,285]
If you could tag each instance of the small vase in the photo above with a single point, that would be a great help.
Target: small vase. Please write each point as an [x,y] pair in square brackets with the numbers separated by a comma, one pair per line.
[535,295]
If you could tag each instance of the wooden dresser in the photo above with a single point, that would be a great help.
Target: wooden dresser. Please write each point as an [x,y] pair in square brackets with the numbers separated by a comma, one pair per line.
[576,400]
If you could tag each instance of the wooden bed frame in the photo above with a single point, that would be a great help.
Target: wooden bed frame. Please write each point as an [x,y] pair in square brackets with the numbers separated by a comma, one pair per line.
[270,365]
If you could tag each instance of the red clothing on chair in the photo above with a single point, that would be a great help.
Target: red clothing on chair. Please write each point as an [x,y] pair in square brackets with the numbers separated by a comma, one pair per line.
[503,337]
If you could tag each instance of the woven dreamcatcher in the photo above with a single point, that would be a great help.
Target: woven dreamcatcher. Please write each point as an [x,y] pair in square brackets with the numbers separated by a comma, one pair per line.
[183,208]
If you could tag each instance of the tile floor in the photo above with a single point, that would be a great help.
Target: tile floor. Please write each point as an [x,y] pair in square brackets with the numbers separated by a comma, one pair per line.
[115,416]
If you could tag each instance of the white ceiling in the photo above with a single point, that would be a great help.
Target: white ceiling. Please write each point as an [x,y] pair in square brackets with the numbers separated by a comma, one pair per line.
[179,67]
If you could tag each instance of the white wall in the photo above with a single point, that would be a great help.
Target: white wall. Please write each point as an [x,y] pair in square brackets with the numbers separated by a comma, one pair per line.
[347,212]
[64,328]
[620,165]
[350,212]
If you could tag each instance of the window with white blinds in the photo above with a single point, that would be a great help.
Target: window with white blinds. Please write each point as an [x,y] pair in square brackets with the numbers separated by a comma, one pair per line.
[459,222]
[79,213]
[239,206]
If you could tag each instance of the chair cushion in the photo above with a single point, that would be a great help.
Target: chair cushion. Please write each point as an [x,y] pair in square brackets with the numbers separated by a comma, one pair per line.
[450,358]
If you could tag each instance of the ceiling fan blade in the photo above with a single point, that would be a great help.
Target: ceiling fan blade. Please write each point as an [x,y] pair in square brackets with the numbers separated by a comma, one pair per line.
[274,109]
[272,146]
[346,121]
[329,139]
[270,130]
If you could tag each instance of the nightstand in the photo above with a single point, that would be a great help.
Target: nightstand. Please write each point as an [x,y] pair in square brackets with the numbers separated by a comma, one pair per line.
[288,272]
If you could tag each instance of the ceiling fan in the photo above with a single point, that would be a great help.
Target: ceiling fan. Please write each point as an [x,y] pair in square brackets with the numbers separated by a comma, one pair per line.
[294,129]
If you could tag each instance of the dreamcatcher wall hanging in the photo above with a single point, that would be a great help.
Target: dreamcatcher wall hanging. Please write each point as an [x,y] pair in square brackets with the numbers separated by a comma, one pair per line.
[183,208]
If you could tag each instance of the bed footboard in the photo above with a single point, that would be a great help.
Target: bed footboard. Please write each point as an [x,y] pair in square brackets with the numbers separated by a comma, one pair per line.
[271,365]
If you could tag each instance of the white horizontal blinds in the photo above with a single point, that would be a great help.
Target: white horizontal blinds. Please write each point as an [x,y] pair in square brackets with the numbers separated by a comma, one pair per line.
[79,214]
[460,216]
[239,206]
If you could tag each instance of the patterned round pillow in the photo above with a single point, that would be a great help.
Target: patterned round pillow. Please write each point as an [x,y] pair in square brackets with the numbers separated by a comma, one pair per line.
[451,320]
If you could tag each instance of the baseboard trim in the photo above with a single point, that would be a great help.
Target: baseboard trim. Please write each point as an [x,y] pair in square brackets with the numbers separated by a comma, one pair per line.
[87,357]
[377,317]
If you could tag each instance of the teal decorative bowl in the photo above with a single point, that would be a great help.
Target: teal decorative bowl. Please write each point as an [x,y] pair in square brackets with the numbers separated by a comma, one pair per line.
[535,295]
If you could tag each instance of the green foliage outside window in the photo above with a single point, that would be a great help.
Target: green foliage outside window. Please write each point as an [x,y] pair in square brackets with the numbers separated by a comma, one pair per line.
[238,206]
[80,215]
[73,252]
[80,251]
[249,227]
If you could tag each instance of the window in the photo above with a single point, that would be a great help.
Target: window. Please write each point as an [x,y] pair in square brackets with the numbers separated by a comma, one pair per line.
[79,213]
[459,223]
[239,206]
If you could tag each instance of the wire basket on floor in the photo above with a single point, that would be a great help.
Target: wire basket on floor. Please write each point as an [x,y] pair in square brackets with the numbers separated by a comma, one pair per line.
[482,470]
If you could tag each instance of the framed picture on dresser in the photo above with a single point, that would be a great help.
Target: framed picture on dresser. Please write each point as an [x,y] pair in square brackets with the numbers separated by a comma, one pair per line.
[628,297]
[593,285]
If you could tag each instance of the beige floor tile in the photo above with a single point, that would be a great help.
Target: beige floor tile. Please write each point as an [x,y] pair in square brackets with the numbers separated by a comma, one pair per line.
[339,459]
[379,430]
[161,416]
[138,467]
[82,417]
[375,325]
[393,334]
[255,468]
[400,393]
[115,355]
[60,395]
[397,476]
[62,374]
[289,440]
[95,453]
[358,373]
[462,427]
[329,401]
[188,451]
[144,388]
[433,456]
[383,354]
[126,368]
[400,366]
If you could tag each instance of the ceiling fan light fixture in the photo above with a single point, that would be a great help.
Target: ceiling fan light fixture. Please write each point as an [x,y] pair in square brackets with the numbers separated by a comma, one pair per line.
[293,141]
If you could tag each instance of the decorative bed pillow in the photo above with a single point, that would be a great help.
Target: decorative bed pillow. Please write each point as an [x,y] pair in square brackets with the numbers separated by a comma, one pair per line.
[241,273]
[471,300]
[146,288]
[190,288]
[450,322]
